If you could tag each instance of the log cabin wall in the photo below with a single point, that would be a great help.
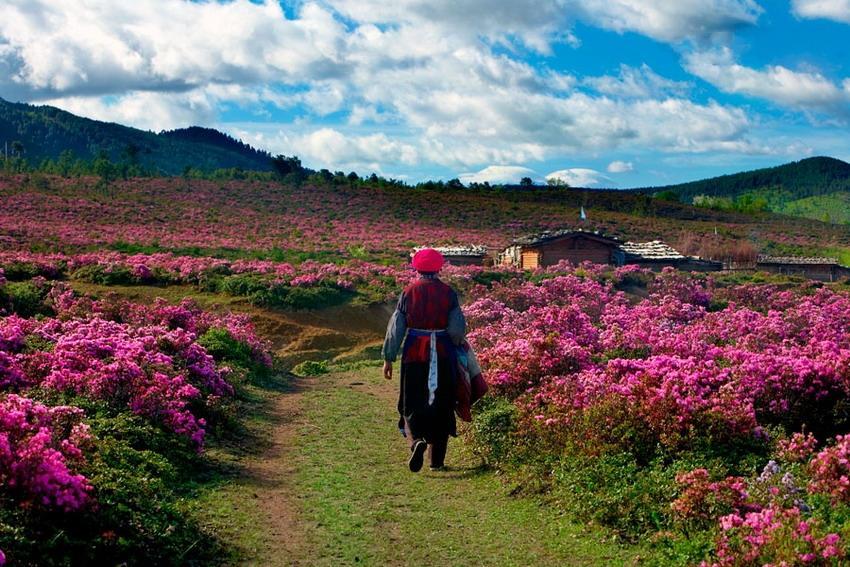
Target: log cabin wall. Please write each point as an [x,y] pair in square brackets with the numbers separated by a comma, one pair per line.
[576,249]
[529,259]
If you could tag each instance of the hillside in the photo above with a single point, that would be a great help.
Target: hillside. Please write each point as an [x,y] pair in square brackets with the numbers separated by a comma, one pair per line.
[805,178]
[44,132]
[816,188]
[325,219]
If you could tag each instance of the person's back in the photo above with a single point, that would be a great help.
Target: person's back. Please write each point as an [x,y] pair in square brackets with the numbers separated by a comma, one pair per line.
[429,323]
[429,301]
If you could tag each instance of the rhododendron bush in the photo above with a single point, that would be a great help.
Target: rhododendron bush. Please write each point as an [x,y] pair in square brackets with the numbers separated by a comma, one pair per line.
[268,282]
[109,359]
[685,372]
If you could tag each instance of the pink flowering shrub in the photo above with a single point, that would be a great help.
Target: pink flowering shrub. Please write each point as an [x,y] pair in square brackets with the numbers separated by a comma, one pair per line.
[685,288]
[574,342]
[775,536]
[798,449]
[145,359]
[702,499]
[711,380]
[39,448]
[830,470]
[147,383]
[268,282]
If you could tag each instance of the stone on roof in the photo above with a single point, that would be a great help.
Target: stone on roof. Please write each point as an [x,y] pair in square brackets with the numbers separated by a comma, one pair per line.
[468,250]
[796,260]
[548,235]
[655,250]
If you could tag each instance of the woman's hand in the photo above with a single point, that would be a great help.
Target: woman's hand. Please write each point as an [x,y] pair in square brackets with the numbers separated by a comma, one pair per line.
[388,370]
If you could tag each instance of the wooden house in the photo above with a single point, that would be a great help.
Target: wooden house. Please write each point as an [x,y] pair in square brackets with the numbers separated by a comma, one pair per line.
[657,255]
[550,248]
[472,255]
[815,268]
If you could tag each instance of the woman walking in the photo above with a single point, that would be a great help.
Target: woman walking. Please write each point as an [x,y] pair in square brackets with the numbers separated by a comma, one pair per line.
[429,324]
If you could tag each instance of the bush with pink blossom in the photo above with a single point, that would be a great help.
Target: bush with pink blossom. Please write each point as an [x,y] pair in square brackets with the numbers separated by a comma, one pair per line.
[681,392]
[103,412]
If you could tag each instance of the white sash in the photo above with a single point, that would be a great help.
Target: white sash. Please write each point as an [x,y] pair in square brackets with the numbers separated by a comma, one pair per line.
[432,363]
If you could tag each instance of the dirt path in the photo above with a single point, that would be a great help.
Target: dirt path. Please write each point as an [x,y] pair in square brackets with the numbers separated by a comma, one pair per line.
[273,475]
[333,489]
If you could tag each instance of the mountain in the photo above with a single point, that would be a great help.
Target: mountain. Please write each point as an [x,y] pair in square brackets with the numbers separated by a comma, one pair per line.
[817,188]
[44,132]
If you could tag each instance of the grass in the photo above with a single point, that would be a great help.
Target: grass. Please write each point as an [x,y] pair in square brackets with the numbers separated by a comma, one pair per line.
[227,503]
[364,507]
[829,208]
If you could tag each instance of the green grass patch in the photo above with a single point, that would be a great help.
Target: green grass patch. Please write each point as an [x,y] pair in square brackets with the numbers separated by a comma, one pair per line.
[367,508]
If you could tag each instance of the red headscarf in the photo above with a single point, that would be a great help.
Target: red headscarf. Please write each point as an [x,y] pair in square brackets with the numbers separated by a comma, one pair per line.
[428,261]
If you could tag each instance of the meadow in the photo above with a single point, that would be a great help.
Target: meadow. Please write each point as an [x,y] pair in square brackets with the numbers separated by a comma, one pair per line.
[337,221]
[689,419]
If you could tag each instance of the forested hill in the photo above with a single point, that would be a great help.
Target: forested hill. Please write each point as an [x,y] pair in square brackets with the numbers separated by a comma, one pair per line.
[44,132]
[809,177]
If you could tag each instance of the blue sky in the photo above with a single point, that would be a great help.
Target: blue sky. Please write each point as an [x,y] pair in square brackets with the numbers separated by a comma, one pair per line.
[615,93]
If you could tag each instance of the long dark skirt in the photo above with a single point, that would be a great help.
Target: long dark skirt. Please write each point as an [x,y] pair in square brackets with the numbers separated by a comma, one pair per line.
[433,422]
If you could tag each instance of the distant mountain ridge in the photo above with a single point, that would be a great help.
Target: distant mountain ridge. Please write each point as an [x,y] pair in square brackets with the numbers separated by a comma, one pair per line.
[805,178]
[45,132]
[816,188]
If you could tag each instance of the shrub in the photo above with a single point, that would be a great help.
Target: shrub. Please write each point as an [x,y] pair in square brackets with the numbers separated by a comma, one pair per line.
[105,275]
[492,428]
[21,271]
[138,512]
[615,491]
[288,297]
[223,347]
[311,368]
[27,298]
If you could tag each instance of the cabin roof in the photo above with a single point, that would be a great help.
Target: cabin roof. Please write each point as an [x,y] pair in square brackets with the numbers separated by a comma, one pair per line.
[797,260]
[654,250]
[550,235]
[465,250]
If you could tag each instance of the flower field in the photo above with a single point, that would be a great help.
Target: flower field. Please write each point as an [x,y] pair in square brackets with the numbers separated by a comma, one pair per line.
[94,393]
[707,419]
[51,213]
[704,419]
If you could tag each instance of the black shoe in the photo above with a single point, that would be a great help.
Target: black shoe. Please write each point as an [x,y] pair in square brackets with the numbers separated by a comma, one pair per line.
[417,456]
[438,468]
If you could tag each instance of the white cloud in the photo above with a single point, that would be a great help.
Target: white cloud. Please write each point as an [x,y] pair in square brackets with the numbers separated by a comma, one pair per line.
[503,127]
[444,79]
[167,110]
[145,110]
[579,177]
[334,149]
[838,10]
[537,23]
[672,21]
[102,47]
[795,89]
[618,166]
[634,82]
[497,174]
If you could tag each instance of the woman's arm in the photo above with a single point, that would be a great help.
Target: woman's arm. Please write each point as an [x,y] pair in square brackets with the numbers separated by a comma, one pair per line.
[457,322]
[396,329]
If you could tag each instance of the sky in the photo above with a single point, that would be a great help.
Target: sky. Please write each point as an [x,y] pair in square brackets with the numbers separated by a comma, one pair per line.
[604,93]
